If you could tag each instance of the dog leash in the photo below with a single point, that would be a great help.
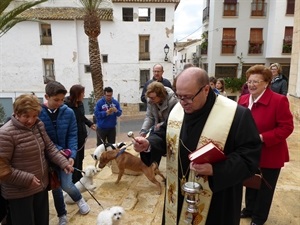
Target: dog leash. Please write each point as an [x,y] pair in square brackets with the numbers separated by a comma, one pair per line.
[91,195]
[81,171]
[123,150]
[88,189]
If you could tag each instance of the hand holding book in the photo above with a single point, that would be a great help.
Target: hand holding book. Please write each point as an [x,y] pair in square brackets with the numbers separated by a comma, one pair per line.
[208,153]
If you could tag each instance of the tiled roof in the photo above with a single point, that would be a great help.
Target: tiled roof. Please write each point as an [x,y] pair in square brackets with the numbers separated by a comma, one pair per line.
[60,13]
[183,44]
[146,1]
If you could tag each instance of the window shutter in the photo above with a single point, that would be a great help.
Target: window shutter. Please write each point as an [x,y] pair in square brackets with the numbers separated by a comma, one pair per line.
[290,8]
[230,1]
[256,36]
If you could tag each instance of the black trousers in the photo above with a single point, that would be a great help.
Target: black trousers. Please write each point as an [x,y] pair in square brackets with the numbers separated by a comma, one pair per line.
[106,135]
[78,162]
[258,202]
[31,210]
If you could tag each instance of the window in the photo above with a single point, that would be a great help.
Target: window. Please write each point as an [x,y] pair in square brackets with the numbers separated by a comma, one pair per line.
[127,14]
[228,41]
[48,70]
[230,8]
[104,58]
[87,68]
[222,71]
[46,37]
[258,8]
[290,8]
[287,41]
[160,15]
[144,77]
[144,14]
[144,53]
[256,41]
[246,67]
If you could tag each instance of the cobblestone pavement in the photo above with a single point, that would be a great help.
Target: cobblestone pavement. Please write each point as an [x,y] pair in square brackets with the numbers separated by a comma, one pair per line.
[144,206]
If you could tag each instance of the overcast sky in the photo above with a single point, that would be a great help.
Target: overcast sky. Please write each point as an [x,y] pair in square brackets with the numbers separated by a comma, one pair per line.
[188,20]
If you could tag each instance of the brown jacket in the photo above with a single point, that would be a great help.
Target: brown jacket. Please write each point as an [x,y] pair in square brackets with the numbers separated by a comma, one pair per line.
[26,151]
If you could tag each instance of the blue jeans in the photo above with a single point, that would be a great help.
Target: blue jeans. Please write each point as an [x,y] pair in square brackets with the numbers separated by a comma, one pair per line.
[68,186]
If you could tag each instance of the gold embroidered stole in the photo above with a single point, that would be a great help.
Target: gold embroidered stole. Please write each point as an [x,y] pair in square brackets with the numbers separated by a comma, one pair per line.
[222,113]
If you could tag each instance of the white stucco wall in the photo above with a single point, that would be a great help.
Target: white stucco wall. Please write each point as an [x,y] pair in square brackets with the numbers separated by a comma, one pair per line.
[21,55]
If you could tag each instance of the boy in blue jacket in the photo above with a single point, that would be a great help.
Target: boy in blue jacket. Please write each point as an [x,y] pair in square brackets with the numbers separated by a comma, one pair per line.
[61,126]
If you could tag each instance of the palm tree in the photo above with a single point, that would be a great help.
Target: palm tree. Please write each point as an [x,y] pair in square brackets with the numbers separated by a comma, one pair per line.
[92,29]
[9,18]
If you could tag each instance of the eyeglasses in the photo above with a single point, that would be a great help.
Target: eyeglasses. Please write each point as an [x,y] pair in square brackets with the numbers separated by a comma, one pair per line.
[254,82]
[191,99]
[152,98]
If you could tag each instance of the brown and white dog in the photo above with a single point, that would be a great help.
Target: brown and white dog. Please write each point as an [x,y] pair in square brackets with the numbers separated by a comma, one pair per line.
[105,147]
[125,160]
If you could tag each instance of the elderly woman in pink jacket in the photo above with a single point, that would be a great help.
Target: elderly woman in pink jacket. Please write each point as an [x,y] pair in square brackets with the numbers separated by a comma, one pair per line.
[275,123]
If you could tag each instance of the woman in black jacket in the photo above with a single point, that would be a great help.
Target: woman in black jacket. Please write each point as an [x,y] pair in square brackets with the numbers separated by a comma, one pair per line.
[74,101]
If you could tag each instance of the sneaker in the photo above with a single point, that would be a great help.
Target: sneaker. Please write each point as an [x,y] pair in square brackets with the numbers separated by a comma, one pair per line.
[83,206]
[63,220]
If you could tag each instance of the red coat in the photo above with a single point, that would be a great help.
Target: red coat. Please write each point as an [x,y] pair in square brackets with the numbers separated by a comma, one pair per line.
[274,121]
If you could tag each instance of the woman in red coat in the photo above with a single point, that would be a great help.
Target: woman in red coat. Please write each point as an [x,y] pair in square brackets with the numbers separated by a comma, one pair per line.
[275,123]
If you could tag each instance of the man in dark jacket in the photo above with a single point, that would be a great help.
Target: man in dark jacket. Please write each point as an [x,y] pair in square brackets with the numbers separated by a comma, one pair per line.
[158,71]
[202,117]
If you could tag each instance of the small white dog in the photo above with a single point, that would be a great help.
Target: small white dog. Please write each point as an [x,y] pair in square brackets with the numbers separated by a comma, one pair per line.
[110,216]
[85,182]
[105,147]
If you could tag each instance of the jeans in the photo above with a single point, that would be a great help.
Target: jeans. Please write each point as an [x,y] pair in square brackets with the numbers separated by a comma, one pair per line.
[68,186]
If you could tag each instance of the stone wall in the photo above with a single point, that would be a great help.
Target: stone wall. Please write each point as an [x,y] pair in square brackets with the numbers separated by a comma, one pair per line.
[295,106]
[130,109]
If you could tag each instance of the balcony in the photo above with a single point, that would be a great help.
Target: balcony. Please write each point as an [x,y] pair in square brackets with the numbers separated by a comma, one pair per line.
[144,56]
[258,9]
[230,9]
[255,47]
[46,40]
[287,46]
[228,46]
[205,16]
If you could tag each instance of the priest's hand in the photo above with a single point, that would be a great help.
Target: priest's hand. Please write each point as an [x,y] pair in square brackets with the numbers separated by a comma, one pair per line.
[140,144]
[205,169]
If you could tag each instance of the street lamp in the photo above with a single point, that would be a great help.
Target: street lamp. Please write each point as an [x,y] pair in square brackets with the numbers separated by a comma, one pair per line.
[166,50]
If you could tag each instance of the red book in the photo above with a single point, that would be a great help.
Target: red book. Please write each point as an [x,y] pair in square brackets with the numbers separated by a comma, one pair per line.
[208,153]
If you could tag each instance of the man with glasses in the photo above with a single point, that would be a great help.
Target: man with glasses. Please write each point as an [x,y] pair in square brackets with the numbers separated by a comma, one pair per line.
[107,111]
[158,71]
[202,117]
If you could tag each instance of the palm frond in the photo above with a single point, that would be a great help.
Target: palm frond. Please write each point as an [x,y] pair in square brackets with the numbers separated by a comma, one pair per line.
[9,19]
[91,5]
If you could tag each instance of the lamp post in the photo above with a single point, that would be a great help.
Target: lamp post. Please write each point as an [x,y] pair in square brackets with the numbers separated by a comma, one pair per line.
[166,50]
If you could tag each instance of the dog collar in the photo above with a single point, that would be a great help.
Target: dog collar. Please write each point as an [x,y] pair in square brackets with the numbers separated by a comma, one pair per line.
[121,152]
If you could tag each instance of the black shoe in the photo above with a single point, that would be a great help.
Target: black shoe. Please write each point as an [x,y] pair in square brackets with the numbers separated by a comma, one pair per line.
[245,214]
[252,223]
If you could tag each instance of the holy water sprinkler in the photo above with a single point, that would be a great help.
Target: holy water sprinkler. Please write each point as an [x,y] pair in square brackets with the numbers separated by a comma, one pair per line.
[131,135]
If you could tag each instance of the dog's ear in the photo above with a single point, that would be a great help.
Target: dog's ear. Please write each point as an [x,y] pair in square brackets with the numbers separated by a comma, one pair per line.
[120,145]
[94,156]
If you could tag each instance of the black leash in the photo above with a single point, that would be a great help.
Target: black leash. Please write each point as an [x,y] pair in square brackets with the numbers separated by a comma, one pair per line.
[88,189]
